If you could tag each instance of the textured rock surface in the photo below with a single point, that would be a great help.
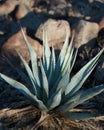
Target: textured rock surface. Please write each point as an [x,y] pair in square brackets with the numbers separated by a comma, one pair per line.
[16,42]
[101,24]
[56,31]
[22,11]
[85,33]
[19,8]
[8,7]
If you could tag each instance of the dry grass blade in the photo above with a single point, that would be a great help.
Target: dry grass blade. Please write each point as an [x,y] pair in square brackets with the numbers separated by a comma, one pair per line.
[44,116]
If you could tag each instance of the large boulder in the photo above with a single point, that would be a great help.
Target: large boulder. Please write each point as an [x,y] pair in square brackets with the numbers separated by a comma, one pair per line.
[8,7]
[25,6]
[17,43]
[101,23]
[85,33]
[56,31]
[22,11]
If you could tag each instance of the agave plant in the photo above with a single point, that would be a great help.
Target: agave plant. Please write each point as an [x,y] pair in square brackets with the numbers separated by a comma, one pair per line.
[54,87]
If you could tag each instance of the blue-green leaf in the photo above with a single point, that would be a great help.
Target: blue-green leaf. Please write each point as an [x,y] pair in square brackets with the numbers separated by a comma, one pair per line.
[54,100]
[69,102]
[33,57]
[63,82]
[25,91]
[78,79]
[68,54]
[81,97]
[18,70]
[44,83]
[73,60]
[61,58]
[88,94]
[63,51]
[63,72]
[53,58]
[46,55]
[80,116]
[30,74]
[51,67]
[67,67]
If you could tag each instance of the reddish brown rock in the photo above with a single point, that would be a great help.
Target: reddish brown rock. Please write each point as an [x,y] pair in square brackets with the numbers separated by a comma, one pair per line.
[22,11]
[22,7]
[28,3]
[101,24]
[16,42]
[56,31]
[85,33]
[8,7]
[25,6]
